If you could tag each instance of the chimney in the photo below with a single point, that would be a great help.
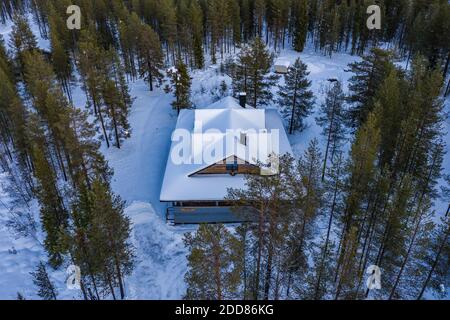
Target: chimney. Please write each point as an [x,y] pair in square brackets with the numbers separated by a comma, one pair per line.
[242,99]
[243,138]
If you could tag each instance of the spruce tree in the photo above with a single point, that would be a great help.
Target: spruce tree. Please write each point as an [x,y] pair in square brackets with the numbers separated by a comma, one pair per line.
[181,86]
[295,98]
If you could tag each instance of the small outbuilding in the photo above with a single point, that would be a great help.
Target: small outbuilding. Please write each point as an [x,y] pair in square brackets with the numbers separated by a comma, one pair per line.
[282,66]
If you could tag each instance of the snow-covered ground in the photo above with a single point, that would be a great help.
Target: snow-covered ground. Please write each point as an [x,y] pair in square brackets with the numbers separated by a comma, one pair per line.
[138,170]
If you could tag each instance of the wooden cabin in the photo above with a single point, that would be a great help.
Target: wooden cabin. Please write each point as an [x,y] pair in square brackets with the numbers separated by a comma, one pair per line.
[194,190]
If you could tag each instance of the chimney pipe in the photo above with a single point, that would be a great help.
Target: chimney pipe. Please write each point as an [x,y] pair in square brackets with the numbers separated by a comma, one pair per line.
[242,99]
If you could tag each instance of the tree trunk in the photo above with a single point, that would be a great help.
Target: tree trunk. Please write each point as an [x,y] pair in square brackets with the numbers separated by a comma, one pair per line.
[294,103]
[258,259]
[330,221]
[116,130]
[268,272]
[328,142]
[150,76]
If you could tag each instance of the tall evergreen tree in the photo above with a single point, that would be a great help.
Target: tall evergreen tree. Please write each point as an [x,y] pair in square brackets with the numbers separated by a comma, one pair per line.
[47,290]
[181,86]
[252,74]
[332,119]
[22,39]
[295,98]
[300,21]
[211,248]
[368,76]
[150,55]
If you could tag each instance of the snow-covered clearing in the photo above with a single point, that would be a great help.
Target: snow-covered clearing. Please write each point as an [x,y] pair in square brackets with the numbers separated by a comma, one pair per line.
[138,171]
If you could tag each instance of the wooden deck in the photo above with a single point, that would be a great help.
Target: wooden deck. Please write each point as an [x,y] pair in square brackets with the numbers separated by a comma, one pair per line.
[196,215]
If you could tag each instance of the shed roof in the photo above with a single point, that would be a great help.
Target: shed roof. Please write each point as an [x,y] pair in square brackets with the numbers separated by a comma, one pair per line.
[282,62]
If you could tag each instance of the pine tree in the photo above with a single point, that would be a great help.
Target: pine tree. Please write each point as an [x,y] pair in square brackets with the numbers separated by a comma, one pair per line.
[54,217]
[181,86]
[368,76]
[93,69]
[305,189]
[168,26]
[325,260]
[437,271]
[129,36]
[98,241]
[295,98]
[22,39]
[115,231]
[14,140]
[421,213]
[41,279]
[252,74]
[262,200]
[346,265]
[61,59]
[150,55]
[211,248]
[196,18]
[300,18]
[388,103]
[107,90]
[332,119]
[361,170]
[117,100]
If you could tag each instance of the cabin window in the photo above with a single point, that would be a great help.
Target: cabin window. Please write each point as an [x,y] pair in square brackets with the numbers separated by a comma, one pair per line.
[232,167]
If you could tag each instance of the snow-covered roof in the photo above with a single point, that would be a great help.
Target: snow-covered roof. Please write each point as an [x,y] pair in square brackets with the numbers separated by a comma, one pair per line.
[226,103]
[210,129]
[282,62]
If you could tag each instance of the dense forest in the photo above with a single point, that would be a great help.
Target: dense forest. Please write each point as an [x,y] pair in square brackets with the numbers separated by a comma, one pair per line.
[322,221]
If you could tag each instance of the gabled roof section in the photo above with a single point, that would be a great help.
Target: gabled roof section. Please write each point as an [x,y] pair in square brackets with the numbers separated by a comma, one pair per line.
[229,119]
[226,103]
[221,162]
